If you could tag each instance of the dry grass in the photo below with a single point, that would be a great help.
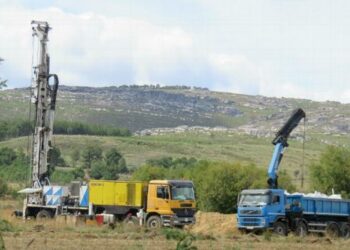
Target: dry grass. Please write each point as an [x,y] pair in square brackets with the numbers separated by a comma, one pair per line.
[212,231]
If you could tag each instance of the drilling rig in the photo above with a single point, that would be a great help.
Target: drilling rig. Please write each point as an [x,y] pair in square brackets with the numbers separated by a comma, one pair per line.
[44,99]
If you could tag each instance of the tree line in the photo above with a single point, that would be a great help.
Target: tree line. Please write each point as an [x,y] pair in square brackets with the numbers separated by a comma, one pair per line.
[217,184]
[12,129]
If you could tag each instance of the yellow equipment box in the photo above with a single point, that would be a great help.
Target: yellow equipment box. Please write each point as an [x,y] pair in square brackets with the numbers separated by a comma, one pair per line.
[116,193]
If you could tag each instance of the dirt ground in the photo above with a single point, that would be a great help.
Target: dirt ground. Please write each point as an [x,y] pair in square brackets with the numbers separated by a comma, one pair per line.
[212,231]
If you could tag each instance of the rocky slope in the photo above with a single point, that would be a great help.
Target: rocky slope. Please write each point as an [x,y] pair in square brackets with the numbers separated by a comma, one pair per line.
[143,108]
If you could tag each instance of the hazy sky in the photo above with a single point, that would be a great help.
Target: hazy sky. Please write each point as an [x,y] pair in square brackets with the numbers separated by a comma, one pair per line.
[291,48]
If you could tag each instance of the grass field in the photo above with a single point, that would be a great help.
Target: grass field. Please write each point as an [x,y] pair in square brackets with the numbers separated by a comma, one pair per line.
[214,147]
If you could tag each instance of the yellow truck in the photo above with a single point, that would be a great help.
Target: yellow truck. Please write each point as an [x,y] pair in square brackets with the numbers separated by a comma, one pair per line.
[156,203]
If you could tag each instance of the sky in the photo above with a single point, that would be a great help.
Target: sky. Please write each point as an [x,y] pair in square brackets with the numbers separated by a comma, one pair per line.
[282,48]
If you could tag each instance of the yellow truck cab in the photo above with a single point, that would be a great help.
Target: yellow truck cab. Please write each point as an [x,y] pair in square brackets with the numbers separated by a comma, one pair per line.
[170,203]
[157,203]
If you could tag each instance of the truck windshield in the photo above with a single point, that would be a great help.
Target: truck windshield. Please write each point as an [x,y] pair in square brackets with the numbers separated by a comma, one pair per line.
[254,199]
[182,193]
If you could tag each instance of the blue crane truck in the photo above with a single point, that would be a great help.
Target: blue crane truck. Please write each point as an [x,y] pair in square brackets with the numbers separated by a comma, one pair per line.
[274,208]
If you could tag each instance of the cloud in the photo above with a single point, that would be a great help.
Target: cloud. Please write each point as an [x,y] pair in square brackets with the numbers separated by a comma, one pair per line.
[86,47]
[274,48]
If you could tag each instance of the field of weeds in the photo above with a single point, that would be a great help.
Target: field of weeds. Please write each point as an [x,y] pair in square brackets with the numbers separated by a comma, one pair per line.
[212,231]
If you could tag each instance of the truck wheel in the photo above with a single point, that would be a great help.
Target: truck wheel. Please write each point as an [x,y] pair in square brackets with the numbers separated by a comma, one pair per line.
[301,229]
[280,228]
[43,214]
[154,222]
[345,231]
[333,230]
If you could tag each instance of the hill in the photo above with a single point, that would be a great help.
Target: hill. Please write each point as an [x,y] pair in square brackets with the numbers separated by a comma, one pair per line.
[146,107]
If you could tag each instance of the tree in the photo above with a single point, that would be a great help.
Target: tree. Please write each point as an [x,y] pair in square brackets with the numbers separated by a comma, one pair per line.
[54,159]
[147,173]
[115,161]
[2,82]
[218,184]
[332,171]
[90,154]
[110,168]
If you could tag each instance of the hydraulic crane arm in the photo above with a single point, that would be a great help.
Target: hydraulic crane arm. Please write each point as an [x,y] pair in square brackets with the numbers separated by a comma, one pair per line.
[280,142]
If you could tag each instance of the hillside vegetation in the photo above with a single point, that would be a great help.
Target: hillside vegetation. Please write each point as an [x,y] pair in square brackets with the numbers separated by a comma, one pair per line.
[137,150]
[143,107]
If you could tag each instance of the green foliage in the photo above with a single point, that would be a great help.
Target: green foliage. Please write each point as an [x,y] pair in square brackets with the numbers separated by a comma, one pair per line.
[3,187]
[54,160]
[115,161]
[5,226]
[169,162]
[13,165]
[174,233]
[64,176]
[147,173]
[110,168]
[90,154]
[332,171]
[78,128]
[17,128]
[285,181]
[7,156]
[75,156]
[219,184]
[184,238]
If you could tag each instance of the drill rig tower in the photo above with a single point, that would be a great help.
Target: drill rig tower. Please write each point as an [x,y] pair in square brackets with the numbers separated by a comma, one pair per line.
[44,99]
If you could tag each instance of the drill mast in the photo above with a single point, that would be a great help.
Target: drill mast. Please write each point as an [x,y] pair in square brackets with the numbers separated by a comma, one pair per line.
[44,99]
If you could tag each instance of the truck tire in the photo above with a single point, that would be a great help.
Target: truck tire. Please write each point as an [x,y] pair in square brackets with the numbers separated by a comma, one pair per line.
[43,214]
[345,231]
[280,228]
[154,222]
[333,230]
[301,229]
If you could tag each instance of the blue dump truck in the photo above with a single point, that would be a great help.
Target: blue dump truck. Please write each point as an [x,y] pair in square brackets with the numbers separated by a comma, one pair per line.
[274,208]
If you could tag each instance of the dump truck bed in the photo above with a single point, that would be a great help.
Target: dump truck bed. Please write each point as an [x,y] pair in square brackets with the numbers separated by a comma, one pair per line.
[117,193]
[322,206]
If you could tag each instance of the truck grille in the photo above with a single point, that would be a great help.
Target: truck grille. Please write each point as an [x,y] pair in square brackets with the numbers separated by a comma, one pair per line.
[184,212]
[250,212]
[250,221]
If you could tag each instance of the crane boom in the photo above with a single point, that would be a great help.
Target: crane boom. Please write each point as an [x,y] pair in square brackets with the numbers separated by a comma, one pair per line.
[44,99]
[281,142]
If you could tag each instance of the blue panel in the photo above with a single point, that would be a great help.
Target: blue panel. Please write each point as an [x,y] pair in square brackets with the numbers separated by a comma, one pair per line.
[84,196]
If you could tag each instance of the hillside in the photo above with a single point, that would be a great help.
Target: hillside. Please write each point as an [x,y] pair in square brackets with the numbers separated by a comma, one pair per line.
[146,107]
[214,147]
[187,122]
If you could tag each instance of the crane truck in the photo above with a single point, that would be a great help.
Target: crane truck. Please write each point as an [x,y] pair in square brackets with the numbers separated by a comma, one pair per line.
[276,209]
[156,203]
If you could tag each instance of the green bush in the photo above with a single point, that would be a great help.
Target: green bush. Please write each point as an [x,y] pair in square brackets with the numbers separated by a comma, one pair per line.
[218,184]
[332,171]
